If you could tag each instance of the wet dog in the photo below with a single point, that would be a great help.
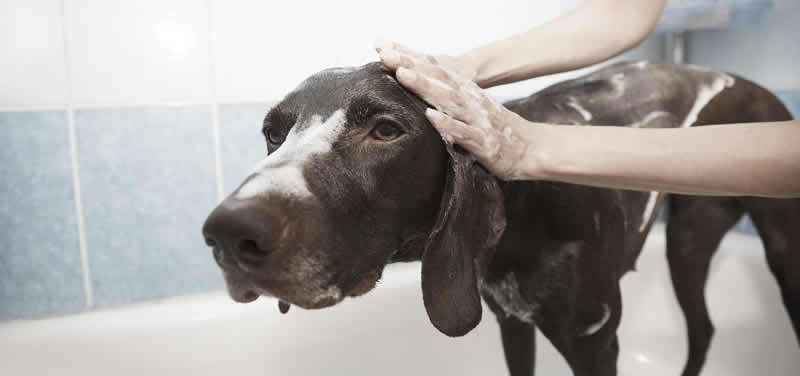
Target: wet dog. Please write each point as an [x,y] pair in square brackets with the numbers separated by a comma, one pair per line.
[357,178]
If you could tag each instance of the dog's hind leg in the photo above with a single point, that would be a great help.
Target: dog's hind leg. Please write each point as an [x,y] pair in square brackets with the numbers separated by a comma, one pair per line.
[778,224]
[695,227]
[519,345]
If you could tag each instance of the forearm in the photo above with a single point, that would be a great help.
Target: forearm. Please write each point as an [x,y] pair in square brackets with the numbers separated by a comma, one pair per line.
[742,159]
[591,33]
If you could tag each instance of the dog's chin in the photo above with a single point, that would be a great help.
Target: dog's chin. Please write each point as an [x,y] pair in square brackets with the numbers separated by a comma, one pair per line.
[244,297]
[366,283]
[238,289]
[242,292]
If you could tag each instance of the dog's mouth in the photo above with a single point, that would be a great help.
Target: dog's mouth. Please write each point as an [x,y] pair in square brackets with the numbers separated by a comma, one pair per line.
[250,296]
[242,291]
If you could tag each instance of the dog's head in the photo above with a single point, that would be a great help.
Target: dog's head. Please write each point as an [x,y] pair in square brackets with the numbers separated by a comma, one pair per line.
[355,178]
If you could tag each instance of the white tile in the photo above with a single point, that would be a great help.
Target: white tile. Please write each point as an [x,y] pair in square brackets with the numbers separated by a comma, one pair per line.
[131,52]
[32,72]
[264,49]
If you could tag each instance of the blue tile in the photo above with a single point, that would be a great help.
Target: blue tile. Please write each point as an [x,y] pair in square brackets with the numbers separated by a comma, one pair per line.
[40,267]
[791,98]
[148,183]
[241,142]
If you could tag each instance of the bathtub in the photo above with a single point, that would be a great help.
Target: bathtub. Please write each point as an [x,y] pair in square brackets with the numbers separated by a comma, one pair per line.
[386,332]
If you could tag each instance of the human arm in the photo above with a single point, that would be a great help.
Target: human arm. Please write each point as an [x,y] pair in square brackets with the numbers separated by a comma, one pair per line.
[593,32]
[752,159]
[755,159]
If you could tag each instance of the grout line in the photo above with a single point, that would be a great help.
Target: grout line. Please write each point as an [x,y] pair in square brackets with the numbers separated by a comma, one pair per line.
[76,185]
[32,108]
[775,90]
[76,179]
[133,104]
[214,107]
[217,153]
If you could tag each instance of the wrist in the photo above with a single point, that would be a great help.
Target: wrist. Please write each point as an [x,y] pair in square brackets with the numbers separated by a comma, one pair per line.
[470,63]
[543,153]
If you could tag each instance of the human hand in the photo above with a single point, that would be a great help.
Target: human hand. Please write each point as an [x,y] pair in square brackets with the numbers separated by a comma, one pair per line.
[462,65]
[464,114]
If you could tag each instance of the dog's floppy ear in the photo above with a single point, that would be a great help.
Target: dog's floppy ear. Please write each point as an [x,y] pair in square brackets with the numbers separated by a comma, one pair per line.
[470,222]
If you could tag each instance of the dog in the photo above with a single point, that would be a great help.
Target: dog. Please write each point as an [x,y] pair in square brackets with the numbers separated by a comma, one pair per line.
[357,178]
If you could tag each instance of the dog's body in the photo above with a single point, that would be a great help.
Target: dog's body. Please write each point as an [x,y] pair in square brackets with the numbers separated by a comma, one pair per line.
[607,228]
[542,254]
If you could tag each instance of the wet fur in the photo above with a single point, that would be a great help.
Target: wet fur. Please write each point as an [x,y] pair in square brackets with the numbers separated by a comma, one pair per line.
[541,254]
[566,268]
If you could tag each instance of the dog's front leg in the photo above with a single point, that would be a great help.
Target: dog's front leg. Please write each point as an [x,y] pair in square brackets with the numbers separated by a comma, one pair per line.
[595,353]
[586,338]
[519,345]
[519,337]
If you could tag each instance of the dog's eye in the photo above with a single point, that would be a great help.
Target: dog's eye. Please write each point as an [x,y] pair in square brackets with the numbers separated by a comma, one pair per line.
[275,136]
[386,131]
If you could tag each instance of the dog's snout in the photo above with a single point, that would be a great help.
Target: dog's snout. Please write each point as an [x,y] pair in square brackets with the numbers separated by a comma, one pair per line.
[243,231]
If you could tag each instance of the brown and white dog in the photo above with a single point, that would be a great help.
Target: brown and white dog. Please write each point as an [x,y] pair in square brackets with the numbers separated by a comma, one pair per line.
[357,178]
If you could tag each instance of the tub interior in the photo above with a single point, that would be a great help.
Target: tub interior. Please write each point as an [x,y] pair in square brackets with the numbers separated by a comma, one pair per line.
[386,332]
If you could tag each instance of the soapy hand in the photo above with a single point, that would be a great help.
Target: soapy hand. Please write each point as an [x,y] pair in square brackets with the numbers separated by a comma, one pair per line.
[463,113]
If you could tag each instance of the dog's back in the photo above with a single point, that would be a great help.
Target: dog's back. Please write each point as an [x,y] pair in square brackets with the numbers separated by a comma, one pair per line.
[650,95]
[660,95]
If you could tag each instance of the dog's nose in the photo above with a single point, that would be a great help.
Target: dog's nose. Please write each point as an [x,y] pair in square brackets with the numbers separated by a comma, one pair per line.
[238,228]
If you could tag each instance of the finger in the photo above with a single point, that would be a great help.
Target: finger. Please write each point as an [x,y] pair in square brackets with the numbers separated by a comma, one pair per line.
[381,45]
[393,60]
[437,72]
[455,131]
[435,92]
[395,55]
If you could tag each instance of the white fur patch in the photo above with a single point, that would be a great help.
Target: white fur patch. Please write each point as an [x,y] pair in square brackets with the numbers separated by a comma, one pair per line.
[705,94]
[648,118]
[596,218]
[506,294]
[282,171]
[573,103]
[331,293]
[648,210]
[618,81]
[594,328]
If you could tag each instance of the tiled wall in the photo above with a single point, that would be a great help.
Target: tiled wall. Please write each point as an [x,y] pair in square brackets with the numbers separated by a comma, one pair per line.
[767,53]
[40,263]
[123,123]
[147,179]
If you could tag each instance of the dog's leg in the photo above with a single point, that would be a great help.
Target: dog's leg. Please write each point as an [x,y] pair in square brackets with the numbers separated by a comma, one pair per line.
[596,360]
[778,223]
[589,347]
[519,345]
[694,229]
[594,350]
[519,339]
